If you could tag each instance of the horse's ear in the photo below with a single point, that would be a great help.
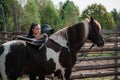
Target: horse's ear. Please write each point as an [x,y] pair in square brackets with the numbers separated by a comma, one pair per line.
[91,19]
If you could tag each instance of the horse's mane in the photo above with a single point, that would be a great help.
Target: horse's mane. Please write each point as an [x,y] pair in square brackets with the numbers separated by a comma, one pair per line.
[62,32]
[95,22]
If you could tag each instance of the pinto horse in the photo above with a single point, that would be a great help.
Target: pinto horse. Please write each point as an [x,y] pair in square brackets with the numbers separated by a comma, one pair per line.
[58,54]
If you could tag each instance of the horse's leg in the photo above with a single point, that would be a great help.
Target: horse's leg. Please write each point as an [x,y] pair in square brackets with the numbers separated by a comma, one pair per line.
[3,75]
[68,73]
[58,75]
[41,77]
[32,76]
[63,74]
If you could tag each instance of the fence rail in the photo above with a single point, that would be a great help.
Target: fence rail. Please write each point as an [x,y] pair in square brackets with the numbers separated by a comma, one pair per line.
[100,58]
[95,75]
[96,67]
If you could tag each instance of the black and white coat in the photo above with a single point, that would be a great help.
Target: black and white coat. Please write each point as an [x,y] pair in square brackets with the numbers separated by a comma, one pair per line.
[57,56]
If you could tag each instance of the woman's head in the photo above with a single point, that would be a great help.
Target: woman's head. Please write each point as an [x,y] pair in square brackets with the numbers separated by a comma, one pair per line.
[34,30]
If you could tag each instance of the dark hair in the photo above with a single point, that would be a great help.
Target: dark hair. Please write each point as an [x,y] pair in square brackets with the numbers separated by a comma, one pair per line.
[33,25]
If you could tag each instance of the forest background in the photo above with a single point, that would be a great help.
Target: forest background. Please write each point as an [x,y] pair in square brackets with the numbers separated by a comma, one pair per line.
[15,17]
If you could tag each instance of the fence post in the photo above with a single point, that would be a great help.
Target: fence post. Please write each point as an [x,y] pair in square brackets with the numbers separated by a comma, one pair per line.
[116,52]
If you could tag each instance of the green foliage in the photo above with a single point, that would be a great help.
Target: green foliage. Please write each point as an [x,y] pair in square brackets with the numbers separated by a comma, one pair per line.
[69,13]
[100,13]
[30,15]
[1,9]
[9,11]
[43,11]
[116,17]
[6,11]
[118,24]
[49,15]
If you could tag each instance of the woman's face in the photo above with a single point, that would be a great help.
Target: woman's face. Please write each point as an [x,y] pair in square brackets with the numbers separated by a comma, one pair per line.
[36,30]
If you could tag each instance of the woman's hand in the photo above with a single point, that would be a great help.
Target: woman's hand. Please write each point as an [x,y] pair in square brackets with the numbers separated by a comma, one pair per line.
[44,35]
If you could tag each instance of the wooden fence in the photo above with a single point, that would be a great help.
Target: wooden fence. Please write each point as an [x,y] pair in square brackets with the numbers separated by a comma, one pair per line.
[106,64]
[7,36]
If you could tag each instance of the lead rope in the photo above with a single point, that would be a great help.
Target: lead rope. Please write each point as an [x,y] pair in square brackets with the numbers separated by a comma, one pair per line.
[84,54]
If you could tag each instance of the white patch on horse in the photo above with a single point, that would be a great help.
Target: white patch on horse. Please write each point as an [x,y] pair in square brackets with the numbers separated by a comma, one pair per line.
[58,38]
[86,27]
[63,73]
[3,58]
[51,54]
[55,56]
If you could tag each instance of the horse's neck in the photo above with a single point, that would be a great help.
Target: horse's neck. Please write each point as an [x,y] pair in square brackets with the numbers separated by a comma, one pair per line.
[72,37]
[60,37]
[78,35]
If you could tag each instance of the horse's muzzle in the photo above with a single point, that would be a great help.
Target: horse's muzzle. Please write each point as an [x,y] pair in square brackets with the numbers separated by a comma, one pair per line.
[100,43]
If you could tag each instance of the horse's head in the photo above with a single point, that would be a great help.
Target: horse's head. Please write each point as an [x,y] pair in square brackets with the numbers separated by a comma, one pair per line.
[94,32]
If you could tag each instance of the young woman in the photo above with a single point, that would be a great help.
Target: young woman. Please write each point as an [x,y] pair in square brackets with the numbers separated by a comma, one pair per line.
[34,33]
[37,32]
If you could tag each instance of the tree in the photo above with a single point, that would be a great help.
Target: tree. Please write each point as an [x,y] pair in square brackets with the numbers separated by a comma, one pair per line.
[69,13]
[50,15]
[2,16]
[30,15]
[116,17]
[100,13]
[11,10]
[9,7]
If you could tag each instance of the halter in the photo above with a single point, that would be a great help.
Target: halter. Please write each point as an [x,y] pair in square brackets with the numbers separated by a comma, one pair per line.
[84,54]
